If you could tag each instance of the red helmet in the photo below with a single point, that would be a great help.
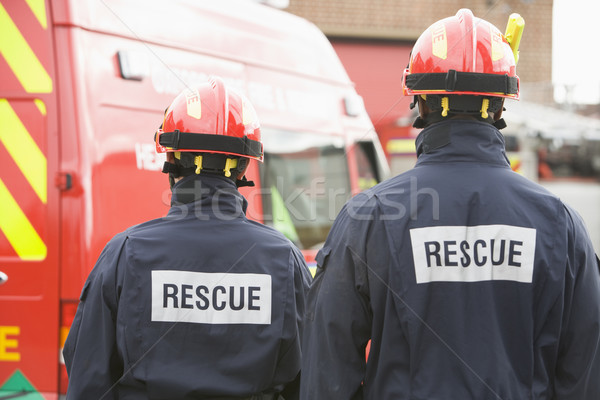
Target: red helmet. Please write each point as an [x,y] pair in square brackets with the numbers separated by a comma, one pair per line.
[211,118]
[462,55]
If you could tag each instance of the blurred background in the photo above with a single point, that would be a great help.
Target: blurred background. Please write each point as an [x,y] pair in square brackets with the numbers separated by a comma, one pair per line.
[553,133]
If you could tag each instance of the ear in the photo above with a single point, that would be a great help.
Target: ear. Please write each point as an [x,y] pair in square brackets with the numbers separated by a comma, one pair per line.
[423,108]
[247,161]
[498,114]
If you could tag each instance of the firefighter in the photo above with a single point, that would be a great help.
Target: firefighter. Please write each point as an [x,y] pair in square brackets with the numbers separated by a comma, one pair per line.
[466,280]
[203,303]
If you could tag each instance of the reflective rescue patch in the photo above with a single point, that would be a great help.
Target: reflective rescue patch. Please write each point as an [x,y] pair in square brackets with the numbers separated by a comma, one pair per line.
[439,42]
[248,113]
[193,103]
[211,298]
[473,253]
[497,45]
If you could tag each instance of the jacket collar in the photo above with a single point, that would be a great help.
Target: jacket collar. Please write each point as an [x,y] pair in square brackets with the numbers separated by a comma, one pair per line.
[212,194]
[463,141]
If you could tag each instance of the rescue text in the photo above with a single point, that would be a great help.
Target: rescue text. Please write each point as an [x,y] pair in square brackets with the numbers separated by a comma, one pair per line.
[473,253]
[211,298]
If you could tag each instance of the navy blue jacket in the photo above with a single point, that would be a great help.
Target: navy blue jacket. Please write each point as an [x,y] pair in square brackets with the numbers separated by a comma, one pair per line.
[199,304]
[471,282]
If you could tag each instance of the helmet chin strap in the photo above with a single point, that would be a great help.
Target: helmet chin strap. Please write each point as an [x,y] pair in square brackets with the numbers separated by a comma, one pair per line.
[432,118]
[244,182]
[446,107]
[210,163]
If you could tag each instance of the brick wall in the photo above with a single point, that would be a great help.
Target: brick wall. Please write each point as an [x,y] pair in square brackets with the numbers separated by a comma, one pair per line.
[403,21]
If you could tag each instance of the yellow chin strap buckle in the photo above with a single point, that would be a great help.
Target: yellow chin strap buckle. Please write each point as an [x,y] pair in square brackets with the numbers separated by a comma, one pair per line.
[484,107]
[445,106]
[198,163]
[230,163]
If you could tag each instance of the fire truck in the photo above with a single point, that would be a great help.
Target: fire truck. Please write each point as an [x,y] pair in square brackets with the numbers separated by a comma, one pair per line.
[84,84]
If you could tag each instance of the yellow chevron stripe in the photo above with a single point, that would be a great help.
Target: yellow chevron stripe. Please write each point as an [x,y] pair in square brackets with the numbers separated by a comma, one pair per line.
[21,59]
[18,230]
[39,10]
[41,106]
[23,150]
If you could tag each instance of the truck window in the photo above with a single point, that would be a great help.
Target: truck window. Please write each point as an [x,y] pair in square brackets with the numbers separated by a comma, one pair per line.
[305,183]
[366,159]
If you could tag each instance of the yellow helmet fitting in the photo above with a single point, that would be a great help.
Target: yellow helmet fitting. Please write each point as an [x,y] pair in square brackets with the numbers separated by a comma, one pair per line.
[198,163]
[445,106]
[484,107]
[230,163]
[514,31]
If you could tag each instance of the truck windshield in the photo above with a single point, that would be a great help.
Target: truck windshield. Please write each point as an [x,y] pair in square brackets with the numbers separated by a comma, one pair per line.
[305,182]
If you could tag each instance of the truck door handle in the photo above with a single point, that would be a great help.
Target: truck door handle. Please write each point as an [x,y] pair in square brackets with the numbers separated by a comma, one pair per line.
[3,278]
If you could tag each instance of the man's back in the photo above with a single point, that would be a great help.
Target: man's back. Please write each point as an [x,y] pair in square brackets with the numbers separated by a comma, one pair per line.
[206,301]
[465,279]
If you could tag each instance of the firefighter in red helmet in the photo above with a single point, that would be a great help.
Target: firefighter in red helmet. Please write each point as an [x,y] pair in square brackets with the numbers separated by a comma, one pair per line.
[203,303]
[211,129]
[462,65]
[467,280]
